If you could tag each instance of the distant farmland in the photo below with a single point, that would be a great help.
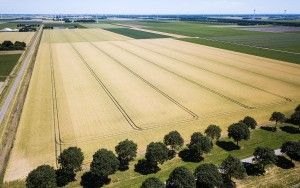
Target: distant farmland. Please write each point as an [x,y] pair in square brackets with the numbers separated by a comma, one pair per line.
[92,88]
[16,36]
[229,38]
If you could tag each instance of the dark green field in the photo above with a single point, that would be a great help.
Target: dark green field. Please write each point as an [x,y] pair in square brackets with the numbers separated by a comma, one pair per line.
[224,36]
[64,25]
[7,63]
[135,34]
[8,25]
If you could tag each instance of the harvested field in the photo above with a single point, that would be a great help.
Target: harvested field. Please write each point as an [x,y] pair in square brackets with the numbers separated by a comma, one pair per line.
[92,88]
[16,36]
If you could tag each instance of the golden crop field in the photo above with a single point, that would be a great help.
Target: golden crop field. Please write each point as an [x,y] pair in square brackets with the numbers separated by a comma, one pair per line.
[16,36]
[92,88]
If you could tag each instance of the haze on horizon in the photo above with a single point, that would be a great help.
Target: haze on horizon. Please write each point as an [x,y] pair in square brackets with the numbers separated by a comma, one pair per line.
[149,6]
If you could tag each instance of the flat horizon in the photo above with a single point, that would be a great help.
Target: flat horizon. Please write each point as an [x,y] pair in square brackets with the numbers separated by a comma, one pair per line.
[149,7]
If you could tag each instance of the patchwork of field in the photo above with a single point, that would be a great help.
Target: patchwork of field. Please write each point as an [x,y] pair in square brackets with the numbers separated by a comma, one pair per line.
[279,46]
[92,88]
[16,36]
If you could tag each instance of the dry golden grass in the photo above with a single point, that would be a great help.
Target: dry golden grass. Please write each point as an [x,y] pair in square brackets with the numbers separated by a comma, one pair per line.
[16,36]
[274,177]
[92,89]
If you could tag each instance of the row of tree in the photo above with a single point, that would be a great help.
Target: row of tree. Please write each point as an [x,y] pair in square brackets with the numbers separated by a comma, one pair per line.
[106,163]
[8,45]
[209,175]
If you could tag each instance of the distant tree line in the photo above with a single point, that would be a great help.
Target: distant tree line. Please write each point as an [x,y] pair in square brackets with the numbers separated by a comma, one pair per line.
[239,21]
[8,45]
[85,20]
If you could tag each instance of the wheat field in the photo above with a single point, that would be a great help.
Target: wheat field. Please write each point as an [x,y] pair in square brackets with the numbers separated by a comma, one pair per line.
[92,88]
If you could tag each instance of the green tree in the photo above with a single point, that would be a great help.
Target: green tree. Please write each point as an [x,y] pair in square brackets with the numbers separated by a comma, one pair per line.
[104,163]
[156,153]
[295,118]
[213,131]
[71,159]
[181,177]
[199,144]
[153,183]
[208,176]
[42,177]
[291,149]
[238,131]
[264,156]
[126,151]
[250,122]
[278,117]
[174,140]
[233,167]
[64,176]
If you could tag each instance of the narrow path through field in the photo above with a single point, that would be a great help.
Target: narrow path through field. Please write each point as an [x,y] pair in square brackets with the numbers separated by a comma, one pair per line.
[117,104]
[56,124]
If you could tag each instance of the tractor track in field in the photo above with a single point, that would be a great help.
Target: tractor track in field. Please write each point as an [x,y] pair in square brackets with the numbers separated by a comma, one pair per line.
[212,72]
[56,124]
[113,99]
[195,116]
[189,80]
[233,66]
[96,138]
[235,53]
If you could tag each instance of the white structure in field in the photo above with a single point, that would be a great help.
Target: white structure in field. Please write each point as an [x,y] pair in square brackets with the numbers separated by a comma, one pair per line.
[9,30]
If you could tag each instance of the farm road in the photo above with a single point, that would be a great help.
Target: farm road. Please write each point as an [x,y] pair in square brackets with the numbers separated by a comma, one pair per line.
[29,54]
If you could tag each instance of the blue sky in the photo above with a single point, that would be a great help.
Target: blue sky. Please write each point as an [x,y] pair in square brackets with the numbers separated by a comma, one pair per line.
[149,6]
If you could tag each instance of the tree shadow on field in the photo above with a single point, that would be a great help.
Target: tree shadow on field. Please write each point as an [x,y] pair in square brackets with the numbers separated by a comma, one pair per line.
[290,129]
[90,180]
[267,128]
[187,156]
[253,169]
[227,145]
[144,167]
[284,163]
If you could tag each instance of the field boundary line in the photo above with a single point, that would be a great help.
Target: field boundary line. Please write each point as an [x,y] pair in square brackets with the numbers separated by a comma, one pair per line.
[187,79]
[233,66]
[55,114]
[212,72]
[269,60]
[252,46]
[120,108]
[95,138]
